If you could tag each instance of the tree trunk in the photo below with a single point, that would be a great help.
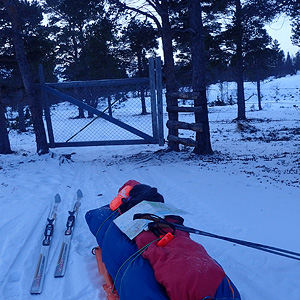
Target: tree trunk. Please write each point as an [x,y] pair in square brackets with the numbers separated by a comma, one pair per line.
[4,140]
[169,69]
[142,90]
[239,63]
[198,79]
[21,114]
[258,90]
[31,91]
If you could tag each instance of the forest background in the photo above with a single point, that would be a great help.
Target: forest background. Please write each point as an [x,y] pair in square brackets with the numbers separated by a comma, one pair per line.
[203,42]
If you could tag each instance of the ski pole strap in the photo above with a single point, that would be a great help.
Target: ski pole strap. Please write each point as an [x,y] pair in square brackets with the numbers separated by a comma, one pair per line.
[158,224]
[157,228]
[266,248]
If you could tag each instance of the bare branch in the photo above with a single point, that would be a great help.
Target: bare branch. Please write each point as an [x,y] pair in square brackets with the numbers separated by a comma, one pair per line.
[147,14]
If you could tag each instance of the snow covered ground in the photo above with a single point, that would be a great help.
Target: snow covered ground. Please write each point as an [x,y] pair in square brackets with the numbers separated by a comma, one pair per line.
[249,189]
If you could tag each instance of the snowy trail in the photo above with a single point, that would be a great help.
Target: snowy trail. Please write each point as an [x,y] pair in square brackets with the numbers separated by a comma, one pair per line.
[199,190]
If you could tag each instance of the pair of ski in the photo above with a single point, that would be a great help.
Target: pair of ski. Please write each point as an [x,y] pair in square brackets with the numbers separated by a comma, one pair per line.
[39,275]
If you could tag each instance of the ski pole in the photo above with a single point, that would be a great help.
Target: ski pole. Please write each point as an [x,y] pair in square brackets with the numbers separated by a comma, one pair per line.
[278,251]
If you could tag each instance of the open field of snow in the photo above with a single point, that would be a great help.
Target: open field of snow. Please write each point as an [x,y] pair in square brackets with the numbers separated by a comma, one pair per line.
[249,189]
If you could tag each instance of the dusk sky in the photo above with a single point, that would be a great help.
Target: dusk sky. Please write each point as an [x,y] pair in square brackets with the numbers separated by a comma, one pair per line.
[281,31]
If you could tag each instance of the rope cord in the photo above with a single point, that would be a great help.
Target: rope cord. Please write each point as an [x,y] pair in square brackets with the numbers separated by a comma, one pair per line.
[115,212]
[136,254]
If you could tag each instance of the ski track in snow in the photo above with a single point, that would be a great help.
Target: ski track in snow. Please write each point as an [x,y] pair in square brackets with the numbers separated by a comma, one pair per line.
[99,178]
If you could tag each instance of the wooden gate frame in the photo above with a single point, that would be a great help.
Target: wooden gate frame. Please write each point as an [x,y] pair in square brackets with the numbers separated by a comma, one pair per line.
[155,83]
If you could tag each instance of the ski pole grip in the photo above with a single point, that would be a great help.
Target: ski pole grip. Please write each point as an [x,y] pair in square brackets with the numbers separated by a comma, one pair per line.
[138,216]
[142,216]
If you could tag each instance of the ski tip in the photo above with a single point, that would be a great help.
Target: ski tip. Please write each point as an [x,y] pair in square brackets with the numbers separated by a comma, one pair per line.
[57,198]
[79,193]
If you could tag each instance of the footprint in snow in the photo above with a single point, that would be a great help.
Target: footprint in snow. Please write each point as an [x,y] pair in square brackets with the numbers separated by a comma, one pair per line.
[12,289]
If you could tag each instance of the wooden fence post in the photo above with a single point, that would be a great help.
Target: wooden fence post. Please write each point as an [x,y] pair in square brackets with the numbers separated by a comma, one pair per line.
[45,104]
[159,101]
[153,97]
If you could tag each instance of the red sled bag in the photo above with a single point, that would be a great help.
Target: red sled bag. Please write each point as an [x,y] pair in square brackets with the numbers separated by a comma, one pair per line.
[182,266]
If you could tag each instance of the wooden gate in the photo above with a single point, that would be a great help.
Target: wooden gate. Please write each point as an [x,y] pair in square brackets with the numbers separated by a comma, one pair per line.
[119,112]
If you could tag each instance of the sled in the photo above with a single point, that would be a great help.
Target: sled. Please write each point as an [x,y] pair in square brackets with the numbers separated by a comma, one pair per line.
[108,286]
[143,268]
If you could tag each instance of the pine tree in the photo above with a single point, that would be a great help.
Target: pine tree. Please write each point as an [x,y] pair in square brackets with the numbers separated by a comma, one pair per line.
[139,38]
[257,54]
[296,31]
[297,61]
[86,38]
[39,49]
[288,65]
[198,75]
[277,60]
[11,8]
[4,140]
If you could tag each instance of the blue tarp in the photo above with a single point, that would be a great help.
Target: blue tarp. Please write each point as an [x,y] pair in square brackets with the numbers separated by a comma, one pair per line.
[133,275]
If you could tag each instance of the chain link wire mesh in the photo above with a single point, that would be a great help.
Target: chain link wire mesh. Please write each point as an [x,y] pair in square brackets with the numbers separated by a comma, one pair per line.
[127,102]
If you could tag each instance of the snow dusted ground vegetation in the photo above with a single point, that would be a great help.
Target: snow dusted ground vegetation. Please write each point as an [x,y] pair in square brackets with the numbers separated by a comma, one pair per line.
[249,189]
